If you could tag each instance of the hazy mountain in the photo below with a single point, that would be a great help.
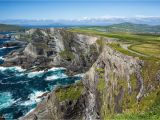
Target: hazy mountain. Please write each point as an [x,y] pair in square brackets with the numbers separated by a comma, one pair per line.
[133,28]
[125,28]
[86,21]
[6,28]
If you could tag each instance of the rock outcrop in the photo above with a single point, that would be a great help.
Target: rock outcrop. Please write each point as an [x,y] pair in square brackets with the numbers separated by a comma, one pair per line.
[5,36]
[112,85]
[113,82]
[54,47]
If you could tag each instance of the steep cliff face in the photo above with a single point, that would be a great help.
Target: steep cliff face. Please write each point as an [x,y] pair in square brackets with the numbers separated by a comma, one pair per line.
[109,80]
[116,83]
[54,47]
[113,82]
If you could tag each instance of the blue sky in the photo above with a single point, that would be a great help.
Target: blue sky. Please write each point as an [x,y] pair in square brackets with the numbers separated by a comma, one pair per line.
[76,9]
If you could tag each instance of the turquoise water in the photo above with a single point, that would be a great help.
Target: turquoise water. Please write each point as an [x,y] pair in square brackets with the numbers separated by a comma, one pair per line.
[20,88]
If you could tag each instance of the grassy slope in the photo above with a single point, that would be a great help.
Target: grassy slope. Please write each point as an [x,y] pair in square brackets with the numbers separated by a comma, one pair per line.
[126,28]
[10,28]
[149,107]
[140,43]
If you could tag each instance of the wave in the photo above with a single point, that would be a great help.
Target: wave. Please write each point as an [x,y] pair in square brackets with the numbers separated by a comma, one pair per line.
[3,48]
[79,75]
[1,58]
[35,74]
[6,100]
[56,68]
[40,73]
[30,112]
[55,77]
[33,98]
[15,68]
[7,47]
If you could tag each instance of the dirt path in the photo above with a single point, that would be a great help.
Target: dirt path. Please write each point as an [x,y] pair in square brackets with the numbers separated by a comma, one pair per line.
[125,46]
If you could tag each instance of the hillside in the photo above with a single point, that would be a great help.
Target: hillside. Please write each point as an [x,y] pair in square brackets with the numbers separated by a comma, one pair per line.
[126,28]
[9,28]
[117,84]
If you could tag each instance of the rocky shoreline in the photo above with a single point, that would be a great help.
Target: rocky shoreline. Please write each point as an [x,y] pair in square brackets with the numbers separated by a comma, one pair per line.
[112,80]
[46,48]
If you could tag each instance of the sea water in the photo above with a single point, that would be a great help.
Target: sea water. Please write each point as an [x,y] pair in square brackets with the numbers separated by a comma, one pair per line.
[20,89]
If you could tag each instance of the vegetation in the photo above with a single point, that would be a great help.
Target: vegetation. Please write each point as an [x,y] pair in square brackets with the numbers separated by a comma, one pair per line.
[148,45]
[140,43]
[117,47]
[71,92]
[101,82]
[101,43]
[148,49]
[10,28]
[66,54]
[152,113]
[125,28]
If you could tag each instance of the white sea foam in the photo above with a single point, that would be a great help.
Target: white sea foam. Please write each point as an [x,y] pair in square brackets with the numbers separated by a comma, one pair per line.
[3,47]
[15,68]
[30,111]
[35,74]
[57,76]
[79,75]
[1,58]
[6,100]
[33,98]
[56,68]
[7,47]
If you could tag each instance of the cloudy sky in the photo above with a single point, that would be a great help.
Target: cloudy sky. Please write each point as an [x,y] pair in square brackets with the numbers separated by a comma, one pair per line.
[77,9]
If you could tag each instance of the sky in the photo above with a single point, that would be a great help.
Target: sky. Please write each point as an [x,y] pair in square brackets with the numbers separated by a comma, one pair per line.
[77,9]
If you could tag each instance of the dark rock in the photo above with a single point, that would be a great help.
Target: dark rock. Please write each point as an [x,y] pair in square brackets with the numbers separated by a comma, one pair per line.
[48,48]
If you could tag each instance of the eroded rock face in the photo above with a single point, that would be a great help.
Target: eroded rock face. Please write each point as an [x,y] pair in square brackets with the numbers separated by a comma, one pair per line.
[112,83]
[108,80]
[54,47]
[105,86]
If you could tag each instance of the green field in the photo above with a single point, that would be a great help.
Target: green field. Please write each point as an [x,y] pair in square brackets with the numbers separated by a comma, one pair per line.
[147,46]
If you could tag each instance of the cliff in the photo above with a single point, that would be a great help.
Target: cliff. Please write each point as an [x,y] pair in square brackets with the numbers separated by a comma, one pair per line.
[115,84]
[54,47]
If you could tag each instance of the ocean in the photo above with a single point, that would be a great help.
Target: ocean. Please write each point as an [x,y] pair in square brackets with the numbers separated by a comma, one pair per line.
[20,89]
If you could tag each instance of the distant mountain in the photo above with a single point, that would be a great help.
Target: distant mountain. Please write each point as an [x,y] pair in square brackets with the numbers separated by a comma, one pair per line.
[126,28]
[133,28]
[99,21]
[9,28]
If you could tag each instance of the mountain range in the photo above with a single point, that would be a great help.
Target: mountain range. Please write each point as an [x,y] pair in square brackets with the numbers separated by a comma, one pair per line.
[125,27]
[99,21]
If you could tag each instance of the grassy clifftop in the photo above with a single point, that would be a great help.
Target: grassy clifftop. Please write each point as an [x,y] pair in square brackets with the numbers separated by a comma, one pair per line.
[10,28]
[125,27]
[147,48]
[138,43]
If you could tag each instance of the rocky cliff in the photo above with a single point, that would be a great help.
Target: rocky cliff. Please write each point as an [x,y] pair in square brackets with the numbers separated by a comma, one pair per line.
[116,83]
[54,47]
[113,83]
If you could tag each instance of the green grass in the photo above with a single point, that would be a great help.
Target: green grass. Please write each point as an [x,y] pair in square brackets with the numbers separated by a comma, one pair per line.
[122,36]
[152,113]
[138,42]
[149,106]
[71,92]
[66,54]
[10,28]
[101,80]
[117,47]
[147,49]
